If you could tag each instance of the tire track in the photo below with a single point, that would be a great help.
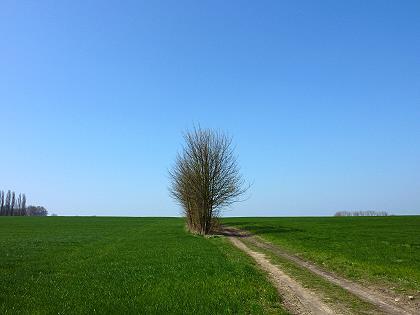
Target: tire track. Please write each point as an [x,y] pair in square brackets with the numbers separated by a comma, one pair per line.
[381,301]
[296,298]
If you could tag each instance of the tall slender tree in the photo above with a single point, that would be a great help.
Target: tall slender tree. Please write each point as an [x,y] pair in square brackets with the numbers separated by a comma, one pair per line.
[2,202]
[8,200]
[19,205]
[24,204]
[12,207]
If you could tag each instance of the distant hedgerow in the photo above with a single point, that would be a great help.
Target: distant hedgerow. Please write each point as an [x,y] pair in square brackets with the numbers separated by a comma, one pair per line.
[369,213]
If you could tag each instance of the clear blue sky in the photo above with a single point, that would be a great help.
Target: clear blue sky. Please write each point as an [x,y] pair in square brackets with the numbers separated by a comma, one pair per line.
[321,97]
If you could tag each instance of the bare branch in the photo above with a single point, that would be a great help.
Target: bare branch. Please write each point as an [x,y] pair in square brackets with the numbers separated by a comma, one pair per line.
[206,178]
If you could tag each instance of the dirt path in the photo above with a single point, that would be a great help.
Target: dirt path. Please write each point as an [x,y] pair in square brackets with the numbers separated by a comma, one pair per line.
[296,298]
[382,302]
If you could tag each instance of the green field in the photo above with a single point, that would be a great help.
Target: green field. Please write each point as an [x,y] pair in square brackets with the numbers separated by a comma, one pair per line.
[73,265]
[152,265]
[383,250]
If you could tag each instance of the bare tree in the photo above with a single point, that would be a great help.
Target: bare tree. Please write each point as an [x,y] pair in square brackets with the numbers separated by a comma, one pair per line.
[2,210]
[19,205]
[23,210]
[206,178]
[12,206]
[8,200]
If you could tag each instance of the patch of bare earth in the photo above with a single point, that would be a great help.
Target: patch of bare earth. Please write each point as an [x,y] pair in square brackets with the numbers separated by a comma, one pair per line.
[386,301]
[296,298]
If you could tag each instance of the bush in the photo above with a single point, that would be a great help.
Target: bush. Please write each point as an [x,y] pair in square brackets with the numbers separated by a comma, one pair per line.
[205,178]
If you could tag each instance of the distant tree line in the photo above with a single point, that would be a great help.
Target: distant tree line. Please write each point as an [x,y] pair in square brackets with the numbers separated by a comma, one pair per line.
[12,204]
[369,213]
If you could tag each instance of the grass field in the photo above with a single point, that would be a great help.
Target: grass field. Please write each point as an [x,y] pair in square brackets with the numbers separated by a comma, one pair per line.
[73,265]
[376,249]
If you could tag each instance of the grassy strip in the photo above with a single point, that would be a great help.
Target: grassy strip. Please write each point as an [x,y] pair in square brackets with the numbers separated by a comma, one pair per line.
[124,265]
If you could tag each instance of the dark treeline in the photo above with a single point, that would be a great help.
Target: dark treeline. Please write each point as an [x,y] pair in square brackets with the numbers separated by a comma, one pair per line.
[12,204]
[36,211]
[369,213]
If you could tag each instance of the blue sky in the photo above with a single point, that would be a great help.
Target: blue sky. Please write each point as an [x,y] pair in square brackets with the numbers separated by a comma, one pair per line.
[322,99]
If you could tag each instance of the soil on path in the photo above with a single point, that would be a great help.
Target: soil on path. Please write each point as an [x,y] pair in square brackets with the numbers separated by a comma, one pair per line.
[383,302]
[296,298]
